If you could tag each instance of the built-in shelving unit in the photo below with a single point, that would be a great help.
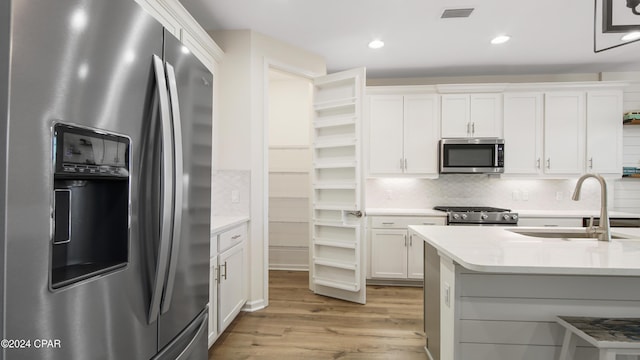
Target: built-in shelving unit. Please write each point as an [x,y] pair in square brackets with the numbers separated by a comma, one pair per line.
[336,187]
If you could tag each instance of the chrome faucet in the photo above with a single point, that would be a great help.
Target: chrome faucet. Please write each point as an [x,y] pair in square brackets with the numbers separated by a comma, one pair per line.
[602,231]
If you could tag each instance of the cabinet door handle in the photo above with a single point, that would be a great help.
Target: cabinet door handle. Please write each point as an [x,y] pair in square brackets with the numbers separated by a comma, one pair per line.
[224,275]
[468,126]
[548,163]
[473,128]
[591,163]
[411,240]
[538,163]
[405,164]
[401,164]
[405,240]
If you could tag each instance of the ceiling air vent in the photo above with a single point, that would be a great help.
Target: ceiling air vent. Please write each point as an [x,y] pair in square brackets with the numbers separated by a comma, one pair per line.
[456,13]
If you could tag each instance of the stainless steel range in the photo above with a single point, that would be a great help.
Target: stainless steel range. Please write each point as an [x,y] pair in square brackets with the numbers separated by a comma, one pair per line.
[478,215]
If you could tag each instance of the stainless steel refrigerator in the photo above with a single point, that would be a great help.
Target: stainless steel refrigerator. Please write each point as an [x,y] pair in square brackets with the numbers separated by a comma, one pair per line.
[105,173]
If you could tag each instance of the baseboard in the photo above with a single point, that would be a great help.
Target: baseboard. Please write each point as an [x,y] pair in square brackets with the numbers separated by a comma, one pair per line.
[288,267]
[251,306]
[394,282]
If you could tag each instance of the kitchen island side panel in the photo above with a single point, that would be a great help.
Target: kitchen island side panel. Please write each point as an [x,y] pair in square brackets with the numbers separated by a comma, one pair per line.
[512,316]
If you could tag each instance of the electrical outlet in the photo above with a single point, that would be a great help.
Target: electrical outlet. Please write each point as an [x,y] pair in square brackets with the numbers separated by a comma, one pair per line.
[389,195]
[515,195]
[525,196]
[235,196]
[559,196]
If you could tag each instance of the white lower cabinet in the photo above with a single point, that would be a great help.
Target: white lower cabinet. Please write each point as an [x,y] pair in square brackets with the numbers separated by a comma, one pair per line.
[394,253]
[227,286]
[231,294]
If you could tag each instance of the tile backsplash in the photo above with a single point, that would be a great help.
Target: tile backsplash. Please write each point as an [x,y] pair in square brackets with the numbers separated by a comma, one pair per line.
[483,190]
[230,193]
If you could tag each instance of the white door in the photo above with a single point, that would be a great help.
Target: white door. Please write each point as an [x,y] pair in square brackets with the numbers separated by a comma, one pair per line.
[523,118]
[337,247]
[385,134]
[604,132]
[564,137]
[455,116]
[389,253]
[421,134]
[485,115]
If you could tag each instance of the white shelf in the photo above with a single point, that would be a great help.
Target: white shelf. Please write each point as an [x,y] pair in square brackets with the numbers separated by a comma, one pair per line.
[332,243]
[335,164]
[335,104]
[346,207]
[331,121]
[337,141]
[338,224]
[335,264]
[343,285]
[335,186]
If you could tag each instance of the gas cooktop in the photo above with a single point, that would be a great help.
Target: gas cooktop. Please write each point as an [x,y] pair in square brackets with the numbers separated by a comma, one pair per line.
[470,209]
[478,215]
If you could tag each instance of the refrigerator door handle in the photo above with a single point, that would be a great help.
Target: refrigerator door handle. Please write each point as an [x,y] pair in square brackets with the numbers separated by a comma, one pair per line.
[167,191]
[178,188]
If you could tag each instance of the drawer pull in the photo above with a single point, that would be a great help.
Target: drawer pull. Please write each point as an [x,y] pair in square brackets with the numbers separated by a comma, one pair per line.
[235,237]
[428,223]
[388,223]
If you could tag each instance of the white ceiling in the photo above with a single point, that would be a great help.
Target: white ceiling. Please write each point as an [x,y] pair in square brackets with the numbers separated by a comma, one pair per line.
[548,36]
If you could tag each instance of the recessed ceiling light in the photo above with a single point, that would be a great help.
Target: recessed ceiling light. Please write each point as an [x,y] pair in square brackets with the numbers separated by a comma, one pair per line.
[631,36]
[376,44]
[501,39]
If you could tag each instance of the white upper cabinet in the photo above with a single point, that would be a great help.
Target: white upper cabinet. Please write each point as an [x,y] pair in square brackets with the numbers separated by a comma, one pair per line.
[471,115]
[564,132]
[604,132]
[403,134]
[523,118]
[386,118]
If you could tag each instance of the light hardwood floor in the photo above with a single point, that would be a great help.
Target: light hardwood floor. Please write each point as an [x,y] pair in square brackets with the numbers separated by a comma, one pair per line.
[298,324]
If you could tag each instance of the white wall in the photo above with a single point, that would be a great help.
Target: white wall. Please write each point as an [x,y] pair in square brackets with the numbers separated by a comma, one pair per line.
[244,77]
[290,109]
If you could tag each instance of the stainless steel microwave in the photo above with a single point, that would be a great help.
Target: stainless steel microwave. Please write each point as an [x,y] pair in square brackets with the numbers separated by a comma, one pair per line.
[472,156]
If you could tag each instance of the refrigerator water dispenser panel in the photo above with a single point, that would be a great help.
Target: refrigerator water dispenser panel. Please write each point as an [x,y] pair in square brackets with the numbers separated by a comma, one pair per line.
[91,204]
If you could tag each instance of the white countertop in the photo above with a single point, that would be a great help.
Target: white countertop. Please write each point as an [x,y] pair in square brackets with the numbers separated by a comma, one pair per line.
[403,212]
[496,249]
[222,223]
[521,213]
[573,213]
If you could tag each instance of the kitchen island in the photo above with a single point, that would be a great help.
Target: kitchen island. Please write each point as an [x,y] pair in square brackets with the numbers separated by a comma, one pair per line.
[491,293]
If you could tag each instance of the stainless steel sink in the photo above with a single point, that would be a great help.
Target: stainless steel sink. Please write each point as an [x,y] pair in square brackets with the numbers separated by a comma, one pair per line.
[544,233]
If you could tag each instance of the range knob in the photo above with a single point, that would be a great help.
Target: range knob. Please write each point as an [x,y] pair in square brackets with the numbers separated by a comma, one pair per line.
[464,216]
[456,216]
[484,216]
[514,216]
[506,217]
